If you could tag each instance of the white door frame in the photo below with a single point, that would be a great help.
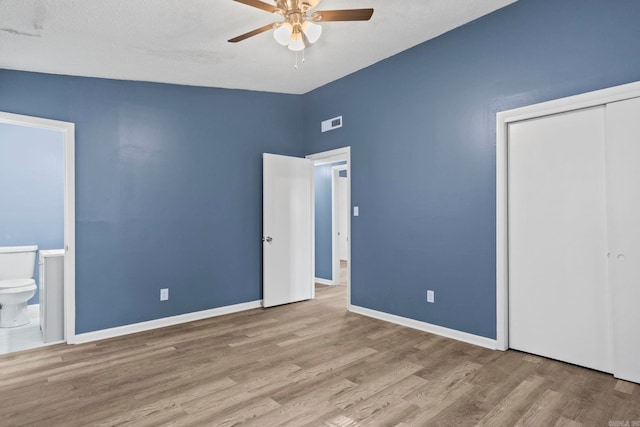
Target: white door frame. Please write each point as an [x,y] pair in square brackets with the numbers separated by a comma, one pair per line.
[68,131]
[503,119]
[323,158]
[335,242]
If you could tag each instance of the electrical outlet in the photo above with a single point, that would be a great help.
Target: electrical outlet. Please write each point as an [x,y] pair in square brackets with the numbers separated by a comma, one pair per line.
[164,294]
[431,296]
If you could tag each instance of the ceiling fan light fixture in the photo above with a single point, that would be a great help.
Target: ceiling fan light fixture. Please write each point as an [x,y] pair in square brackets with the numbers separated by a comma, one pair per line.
[311,31]
[296,43]
[282,34]
[299,26]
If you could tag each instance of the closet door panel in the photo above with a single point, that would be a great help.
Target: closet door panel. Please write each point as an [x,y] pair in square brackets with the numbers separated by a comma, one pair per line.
[623,198]
[558,295]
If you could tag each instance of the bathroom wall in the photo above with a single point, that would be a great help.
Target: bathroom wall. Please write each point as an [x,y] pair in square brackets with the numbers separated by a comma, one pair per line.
[422,131]
[168,189]
[322,183]
[31,188]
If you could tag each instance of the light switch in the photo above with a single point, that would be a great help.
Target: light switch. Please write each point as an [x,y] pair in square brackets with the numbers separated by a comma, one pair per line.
[356,211]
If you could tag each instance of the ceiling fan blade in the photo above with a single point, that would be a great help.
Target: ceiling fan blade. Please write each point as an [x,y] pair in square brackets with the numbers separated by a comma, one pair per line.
[259,4]
[342,15]
[251,33]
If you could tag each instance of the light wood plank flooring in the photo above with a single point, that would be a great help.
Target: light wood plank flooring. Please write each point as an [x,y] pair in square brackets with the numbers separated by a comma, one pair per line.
[343,272]
[309,363]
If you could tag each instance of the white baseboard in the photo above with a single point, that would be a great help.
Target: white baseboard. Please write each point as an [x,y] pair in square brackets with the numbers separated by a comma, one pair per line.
[323,281]
[164,322]
[427,327]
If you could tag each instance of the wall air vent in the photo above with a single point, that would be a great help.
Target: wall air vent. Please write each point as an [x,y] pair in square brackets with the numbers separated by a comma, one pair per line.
[332,124]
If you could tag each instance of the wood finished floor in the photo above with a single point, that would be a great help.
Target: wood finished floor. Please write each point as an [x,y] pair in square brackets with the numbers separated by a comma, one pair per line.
[309,363]
[343,272]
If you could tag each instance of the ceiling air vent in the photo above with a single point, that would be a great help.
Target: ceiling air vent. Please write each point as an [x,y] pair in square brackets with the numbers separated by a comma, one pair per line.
[332,124]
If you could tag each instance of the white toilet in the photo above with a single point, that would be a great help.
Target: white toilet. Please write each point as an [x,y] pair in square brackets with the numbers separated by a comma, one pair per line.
[17,264]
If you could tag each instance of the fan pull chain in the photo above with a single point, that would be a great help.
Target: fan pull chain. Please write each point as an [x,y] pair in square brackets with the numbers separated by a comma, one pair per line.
[296,64]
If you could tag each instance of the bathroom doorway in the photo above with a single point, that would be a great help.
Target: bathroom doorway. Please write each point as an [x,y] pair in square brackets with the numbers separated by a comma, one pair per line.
[37,161]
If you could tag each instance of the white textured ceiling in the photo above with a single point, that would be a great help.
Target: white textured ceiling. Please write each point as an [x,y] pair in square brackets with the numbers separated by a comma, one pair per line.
[185,41]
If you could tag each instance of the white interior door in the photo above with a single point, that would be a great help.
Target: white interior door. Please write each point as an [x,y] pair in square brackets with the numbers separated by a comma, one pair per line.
[623,198]
[343,213]
[287,227]
[558,292]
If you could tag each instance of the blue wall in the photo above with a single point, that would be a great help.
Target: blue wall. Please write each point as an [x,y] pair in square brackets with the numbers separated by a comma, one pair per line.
[421,126]
[169,177]
[323,220]
[31,188]
[168,189]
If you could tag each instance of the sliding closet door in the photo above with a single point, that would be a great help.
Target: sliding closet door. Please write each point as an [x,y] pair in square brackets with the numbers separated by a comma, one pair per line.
[558,293]
[623,196]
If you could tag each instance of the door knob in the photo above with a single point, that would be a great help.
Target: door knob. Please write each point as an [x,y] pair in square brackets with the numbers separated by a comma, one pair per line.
[620,257]
[268,239]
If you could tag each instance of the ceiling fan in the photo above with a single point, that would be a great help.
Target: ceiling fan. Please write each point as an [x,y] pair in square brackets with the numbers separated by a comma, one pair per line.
[299,25]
